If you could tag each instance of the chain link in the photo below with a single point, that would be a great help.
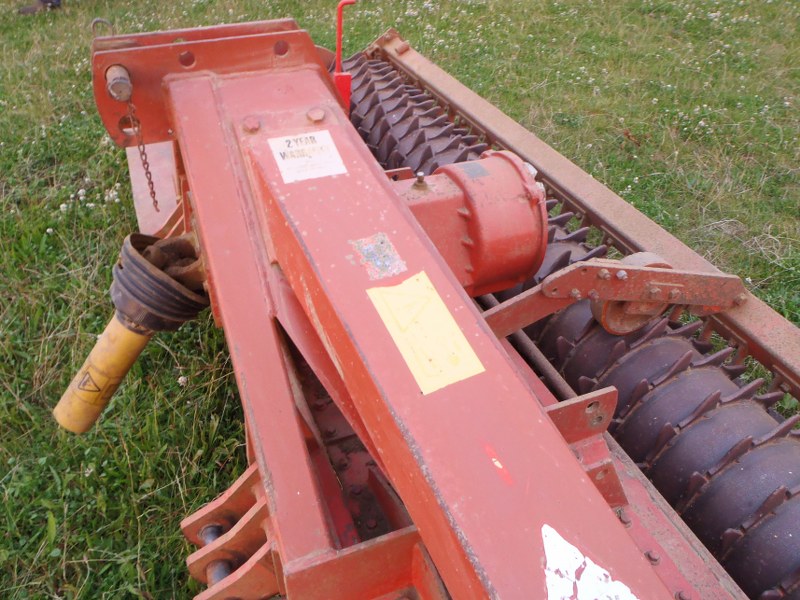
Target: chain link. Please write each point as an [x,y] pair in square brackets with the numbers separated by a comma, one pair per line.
[136,125]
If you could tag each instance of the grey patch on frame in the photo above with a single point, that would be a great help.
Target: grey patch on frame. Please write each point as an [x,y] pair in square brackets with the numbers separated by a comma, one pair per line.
[379,256]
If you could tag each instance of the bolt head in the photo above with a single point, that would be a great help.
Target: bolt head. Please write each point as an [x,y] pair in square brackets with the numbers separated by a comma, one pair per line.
[251,124]
[315,115]
[653,557]
[674,295]
[622,275]
[575,293]
[623,517]
[604,274]
[740,299]
[120,90]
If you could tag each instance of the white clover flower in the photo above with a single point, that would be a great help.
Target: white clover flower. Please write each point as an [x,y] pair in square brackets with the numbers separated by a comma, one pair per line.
[49,231]
[62,208]
[183,380]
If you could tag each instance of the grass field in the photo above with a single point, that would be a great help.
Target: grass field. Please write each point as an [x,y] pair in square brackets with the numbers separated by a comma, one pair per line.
[689,109]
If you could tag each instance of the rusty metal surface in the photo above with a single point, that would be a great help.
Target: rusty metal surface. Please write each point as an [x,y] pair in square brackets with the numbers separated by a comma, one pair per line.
[225,510]
[704,438]
[584,416]
[245,310]
[605,349]
[380,548]
[643,292]
[753,326]
[451,478]
[240,541]
[192,34]
[434,470]
[402,126]
[150,58]
[657,528]
[683,562]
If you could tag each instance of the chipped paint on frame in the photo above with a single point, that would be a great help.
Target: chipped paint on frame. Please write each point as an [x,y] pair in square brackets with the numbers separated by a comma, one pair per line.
[379,256]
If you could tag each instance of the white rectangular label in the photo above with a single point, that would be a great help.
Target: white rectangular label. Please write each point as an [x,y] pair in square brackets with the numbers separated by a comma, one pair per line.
[306,156]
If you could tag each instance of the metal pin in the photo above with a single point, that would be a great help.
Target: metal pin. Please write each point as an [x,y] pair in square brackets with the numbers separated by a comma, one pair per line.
[118,83]
[251,124]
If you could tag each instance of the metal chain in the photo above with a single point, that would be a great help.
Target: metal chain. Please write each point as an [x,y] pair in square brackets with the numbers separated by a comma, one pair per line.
[136,125]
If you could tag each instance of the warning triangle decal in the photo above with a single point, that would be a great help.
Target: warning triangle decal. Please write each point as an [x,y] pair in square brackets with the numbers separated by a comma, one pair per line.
[88,384]
[406,306]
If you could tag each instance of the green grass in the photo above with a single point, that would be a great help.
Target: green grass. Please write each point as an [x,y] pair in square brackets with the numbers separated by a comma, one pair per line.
[688,109]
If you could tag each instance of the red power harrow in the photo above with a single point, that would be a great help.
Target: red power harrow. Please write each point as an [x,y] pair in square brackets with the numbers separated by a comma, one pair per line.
[448,390]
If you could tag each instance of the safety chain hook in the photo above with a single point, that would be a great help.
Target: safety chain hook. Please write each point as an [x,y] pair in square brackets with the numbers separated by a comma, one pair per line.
[136,125]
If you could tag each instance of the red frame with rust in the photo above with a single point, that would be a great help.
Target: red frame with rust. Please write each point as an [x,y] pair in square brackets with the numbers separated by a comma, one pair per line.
[754,328]
[477,485]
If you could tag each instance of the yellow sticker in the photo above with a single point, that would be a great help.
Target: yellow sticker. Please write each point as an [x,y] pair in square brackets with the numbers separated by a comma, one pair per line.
[425,332]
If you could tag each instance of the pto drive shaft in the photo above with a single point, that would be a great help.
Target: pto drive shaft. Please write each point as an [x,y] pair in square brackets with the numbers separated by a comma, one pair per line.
[157,287]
